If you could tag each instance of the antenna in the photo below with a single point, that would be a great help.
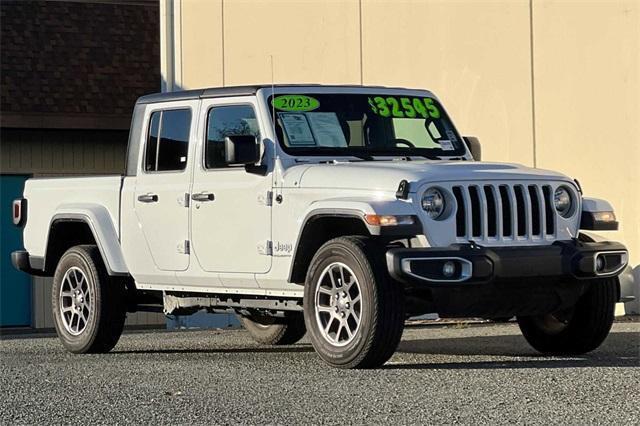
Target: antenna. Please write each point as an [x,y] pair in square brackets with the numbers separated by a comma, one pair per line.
[276,171]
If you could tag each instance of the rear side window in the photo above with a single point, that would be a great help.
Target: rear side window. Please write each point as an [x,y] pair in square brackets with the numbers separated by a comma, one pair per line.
[223,121]
[168,140]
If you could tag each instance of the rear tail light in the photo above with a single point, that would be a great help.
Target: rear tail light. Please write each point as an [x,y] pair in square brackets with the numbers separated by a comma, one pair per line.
[19,211]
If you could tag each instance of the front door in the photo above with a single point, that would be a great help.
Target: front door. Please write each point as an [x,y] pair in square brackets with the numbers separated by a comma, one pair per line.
[161,200]
[231,213]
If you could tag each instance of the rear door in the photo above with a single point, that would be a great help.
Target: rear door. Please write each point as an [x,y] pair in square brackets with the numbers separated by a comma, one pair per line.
[161,200]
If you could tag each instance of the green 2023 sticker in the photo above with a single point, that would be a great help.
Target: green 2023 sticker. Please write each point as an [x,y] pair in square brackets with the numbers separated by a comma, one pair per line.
[392,106]
[295,103]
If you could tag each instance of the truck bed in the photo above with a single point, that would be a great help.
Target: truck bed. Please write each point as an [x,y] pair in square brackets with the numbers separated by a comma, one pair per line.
[48,196]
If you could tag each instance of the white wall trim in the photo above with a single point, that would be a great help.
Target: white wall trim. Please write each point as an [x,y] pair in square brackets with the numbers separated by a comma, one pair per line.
[171,44]
[177,44]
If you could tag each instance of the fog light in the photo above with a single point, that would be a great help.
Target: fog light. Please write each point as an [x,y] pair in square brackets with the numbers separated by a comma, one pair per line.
[448,269]
[600,264]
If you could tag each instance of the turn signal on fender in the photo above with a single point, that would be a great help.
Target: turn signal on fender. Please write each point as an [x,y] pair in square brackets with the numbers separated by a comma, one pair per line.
[388,220]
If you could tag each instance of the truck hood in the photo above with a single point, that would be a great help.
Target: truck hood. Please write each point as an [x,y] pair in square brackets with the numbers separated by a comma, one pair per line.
[386,175]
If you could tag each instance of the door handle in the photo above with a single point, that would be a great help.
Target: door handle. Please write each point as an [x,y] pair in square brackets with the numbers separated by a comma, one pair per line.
[148,198]
[203,196]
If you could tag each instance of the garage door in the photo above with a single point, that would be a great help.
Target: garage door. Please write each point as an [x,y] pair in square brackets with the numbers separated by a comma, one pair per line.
[15,286]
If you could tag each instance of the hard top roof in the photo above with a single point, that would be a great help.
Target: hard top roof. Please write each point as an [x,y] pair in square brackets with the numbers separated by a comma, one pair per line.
[218,92]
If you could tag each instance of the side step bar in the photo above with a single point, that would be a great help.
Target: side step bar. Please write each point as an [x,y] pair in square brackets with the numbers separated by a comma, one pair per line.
[177,304]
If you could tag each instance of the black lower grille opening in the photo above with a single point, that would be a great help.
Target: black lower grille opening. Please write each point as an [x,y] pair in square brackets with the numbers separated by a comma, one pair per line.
[461,230]
[520,206]
[535,210]
[492,217]
[548,209]
[475,212]
[506,211]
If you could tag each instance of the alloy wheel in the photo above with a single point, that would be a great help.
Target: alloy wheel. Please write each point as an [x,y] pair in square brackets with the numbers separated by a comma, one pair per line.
[75,301]
[338,304]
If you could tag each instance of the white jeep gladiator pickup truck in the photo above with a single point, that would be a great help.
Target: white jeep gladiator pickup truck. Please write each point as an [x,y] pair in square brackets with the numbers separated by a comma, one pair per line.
[334,210]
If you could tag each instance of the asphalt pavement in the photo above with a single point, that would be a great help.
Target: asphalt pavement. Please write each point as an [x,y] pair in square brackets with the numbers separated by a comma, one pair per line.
[484,374]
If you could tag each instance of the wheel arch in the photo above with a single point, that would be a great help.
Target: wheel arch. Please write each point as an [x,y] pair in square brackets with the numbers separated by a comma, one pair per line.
[323,224]
[84,224]
[317,229]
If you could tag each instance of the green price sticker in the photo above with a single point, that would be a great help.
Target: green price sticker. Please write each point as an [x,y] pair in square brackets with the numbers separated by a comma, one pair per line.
[401,107]
[295,103]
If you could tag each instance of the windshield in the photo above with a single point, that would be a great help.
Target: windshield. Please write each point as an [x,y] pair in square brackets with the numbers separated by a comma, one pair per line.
[364,125]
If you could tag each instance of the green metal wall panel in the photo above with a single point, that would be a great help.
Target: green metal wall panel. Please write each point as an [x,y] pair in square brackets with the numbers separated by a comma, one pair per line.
[15,286]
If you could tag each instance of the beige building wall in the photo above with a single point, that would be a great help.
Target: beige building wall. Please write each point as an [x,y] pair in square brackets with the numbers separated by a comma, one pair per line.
[549,83]
[587,102]
[474,55]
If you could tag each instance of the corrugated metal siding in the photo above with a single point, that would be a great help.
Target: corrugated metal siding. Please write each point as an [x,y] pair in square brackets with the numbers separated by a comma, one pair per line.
[54,152]
[44,152]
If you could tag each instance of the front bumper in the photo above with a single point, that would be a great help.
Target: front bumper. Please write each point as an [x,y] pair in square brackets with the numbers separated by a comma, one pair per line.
[468,264]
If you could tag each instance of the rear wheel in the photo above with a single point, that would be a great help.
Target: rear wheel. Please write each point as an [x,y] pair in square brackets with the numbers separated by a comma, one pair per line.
[354,312]
[89,308]
[269,330]
[576,330]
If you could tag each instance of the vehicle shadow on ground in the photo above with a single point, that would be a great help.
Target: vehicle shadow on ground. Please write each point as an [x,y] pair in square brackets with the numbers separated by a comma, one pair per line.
[260,349]
[620,349]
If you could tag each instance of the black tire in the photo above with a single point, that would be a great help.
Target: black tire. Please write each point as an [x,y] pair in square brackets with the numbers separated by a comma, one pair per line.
[269,330]
[382,311]
[579,330]
[106,305]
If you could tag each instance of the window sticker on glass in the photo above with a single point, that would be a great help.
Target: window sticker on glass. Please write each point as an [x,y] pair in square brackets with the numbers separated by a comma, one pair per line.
[446,145]
[297,128]
[295,103]
[433,131]
[326,129]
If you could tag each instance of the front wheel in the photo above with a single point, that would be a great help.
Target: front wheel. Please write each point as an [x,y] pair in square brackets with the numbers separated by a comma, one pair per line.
[577,330]
[89,307]
[354,312]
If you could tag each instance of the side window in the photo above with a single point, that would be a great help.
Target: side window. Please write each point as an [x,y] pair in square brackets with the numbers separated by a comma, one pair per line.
[168,140]
[223,121]
[151,156]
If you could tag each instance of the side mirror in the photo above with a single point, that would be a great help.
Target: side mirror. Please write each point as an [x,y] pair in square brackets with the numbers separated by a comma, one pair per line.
[241,150]
[473,144]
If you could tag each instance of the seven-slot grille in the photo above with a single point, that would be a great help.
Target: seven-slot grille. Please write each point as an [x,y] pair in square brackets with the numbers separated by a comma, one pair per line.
[504,212]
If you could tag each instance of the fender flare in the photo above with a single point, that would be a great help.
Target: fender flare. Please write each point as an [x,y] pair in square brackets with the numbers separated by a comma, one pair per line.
[357,209]
[104,232]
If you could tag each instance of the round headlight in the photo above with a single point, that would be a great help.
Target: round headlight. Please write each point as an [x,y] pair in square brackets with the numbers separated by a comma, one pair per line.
[562,201]
[433,202]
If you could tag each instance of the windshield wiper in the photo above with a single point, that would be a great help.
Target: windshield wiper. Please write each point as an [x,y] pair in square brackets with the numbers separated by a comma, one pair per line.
[337,152]
[362,156]
[428,157]
[405,156]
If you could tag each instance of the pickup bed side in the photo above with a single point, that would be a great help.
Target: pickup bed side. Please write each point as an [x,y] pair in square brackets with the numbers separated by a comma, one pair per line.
[63,212]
